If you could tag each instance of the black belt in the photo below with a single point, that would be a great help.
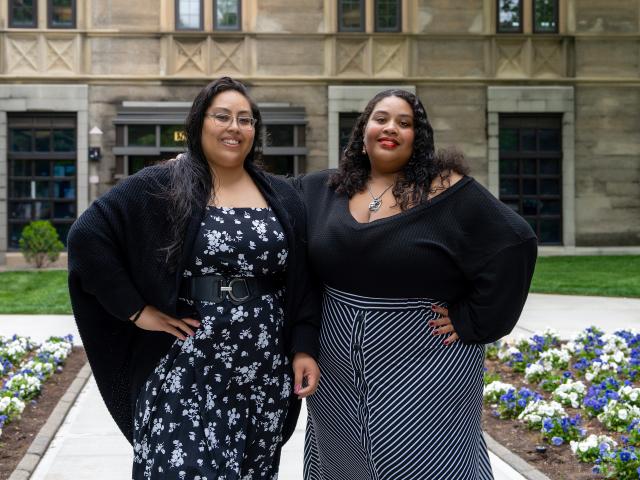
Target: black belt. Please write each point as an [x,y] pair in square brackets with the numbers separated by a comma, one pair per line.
[238,290]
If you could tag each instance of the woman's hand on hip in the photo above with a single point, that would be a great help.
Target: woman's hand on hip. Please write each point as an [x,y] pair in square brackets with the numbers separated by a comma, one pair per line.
[306,375]
[443,325]
[153,319]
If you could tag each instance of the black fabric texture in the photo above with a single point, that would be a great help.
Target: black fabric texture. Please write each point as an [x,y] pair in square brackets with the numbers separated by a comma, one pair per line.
[464,247]
[116,267]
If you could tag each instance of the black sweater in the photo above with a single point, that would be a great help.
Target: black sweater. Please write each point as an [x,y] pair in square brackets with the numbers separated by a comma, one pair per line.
[115,269]
[464,247]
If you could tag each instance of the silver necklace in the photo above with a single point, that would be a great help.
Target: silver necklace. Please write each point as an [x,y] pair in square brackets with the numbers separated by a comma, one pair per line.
[376,203]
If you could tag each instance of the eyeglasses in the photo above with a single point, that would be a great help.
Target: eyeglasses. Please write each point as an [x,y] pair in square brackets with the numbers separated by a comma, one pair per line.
[225,119]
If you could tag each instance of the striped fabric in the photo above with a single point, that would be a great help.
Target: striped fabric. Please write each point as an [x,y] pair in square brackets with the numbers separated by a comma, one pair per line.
[394,403]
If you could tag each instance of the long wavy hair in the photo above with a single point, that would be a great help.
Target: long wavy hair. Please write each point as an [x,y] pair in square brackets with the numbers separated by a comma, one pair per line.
[413,185]
[191,178]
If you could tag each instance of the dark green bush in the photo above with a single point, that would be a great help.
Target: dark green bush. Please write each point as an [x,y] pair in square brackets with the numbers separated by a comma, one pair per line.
[40,243]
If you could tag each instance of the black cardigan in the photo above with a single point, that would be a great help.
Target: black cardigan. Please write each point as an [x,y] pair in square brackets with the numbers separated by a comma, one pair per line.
[115,268]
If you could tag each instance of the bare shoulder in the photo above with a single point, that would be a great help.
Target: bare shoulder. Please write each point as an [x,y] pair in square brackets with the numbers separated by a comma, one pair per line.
[442,182]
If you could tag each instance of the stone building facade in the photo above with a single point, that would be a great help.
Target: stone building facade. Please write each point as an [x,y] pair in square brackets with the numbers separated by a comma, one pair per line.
[542,96]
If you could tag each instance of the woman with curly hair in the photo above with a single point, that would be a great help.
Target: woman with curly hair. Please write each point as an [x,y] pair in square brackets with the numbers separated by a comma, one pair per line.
[421,267]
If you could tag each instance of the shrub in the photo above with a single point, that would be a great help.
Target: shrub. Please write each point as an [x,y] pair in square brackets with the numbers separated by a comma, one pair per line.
[592,447]
[40,243]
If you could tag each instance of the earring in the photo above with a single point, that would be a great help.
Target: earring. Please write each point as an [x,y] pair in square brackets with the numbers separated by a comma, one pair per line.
[364,150]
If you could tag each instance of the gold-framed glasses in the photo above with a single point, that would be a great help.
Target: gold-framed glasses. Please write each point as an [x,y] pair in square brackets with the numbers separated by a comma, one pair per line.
[224,120]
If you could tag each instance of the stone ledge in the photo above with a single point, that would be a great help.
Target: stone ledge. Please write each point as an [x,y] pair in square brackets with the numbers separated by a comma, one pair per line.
[41,442]
[514,461]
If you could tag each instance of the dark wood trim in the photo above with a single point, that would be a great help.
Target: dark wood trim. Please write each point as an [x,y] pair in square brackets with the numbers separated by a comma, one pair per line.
[342,28]
[556,18]
[177,16]
[34,24]
[520,30]
[223,28]
[397,28]
[50,16]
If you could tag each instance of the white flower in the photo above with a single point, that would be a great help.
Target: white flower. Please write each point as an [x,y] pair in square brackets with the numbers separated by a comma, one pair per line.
[555,358]
[534,412]
[495,390]
[534,371]
[570,393]
[617,415]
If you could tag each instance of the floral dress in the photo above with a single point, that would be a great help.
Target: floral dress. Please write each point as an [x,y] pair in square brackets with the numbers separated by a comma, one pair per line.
[215,405]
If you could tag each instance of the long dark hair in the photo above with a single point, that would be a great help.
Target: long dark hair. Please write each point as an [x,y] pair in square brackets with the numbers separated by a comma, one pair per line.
[191,179]
[414,182]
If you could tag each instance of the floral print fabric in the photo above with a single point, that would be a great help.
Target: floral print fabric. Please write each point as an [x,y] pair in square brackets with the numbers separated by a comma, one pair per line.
[214,407]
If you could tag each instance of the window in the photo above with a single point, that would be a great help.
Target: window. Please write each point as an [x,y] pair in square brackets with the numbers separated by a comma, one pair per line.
[42,162]
[509,16]
[146,133]
[23,13]
[388,16]
[141,145]
[189,15]
[283,150]
[530,172]
[545,16]
[346,122]
[351,16]
[62,14]
[227,15]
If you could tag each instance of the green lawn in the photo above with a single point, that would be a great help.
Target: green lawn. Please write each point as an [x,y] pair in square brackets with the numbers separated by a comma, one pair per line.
[34,292]
[612,276]
[46,291]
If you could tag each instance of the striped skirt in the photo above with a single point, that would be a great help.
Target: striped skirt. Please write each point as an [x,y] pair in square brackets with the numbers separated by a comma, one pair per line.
[394,403]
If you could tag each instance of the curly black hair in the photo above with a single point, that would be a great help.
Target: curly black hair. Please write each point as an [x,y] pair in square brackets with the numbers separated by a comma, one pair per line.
[425,164]
[191,178]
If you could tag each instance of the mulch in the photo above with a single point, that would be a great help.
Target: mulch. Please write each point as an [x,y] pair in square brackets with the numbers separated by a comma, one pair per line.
[18,435]
[558,463]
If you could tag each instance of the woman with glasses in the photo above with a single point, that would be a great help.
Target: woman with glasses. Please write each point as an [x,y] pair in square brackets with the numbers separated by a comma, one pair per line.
[188,283]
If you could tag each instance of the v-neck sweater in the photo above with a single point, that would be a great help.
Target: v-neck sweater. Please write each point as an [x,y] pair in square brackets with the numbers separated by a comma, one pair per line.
[463,247]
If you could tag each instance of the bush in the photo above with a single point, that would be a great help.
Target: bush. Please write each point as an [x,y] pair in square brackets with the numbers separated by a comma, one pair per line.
[40,243]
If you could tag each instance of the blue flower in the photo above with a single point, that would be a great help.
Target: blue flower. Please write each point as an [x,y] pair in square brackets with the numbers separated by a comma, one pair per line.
[625,456]
[557,441]
[547,424]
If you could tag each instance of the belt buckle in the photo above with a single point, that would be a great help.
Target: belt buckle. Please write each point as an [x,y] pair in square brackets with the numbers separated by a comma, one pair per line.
[228,289]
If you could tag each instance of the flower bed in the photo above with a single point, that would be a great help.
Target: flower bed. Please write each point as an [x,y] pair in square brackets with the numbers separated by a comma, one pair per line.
[24,367]
[580,398]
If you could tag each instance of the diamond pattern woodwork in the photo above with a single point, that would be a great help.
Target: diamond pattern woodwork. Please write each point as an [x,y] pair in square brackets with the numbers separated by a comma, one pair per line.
[61,54]
[22,55]
[511,59]
[388,58]
[190,57]
[351,58]
[548,60]
[228,56]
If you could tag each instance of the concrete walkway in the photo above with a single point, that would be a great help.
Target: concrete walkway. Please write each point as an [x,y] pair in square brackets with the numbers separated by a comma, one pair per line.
[88,445]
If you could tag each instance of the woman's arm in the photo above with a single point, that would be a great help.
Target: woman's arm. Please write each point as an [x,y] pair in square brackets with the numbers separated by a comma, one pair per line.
[99,264]
[96,261]
[499,292]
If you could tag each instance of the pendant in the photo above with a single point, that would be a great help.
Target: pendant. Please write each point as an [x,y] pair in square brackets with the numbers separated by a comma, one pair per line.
[374,206]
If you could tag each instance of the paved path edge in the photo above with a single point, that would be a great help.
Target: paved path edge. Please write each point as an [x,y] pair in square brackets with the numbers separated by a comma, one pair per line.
[48,431]
[516,462]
